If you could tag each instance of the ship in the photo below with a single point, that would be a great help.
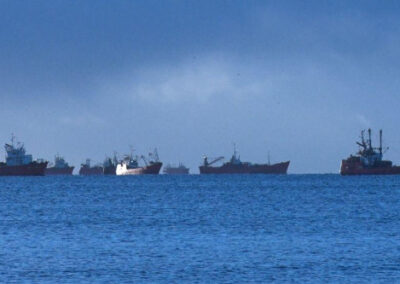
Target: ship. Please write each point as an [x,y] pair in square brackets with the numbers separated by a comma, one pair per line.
[110,165]
[87,170]
[236,166]
[60,167]
[130,165]
[176,170]
[18,163]
[368,160]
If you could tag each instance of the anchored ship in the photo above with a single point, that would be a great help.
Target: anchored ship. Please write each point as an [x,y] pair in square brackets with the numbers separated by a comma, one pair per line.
[130,165]
[60,167]
[18,163]
[368,160]
[173,170]
[236,166]
[87,170]
[110,165]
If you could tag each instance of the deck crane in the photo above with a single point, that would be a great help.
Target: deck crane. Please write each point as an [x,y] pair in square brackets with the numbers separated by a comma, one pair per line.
[207,163]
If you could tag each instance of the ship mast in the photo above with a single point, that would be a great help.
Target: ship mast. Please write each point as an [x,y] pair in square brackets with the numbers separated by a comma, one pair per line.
[156,157]
[144,159]
[132,150]
[362,144]
[369,138]
[380,141]
[115,158]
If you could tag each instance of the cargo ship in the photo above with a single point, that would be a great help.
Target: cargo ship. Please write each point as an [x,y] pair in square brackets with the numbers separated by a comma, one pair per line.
[18,163]
[60,167]
[110,165]
[173,170]
[368,160]
[236,166]
[87,170]
[130,165]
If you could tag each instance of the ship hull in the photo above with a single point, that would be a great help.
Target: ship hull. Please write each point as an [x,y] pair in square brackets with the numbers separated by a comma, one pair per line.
[358,169]
[153,169]
[279,168]
[32,169]
[59,171]
[94,171]
[110,171]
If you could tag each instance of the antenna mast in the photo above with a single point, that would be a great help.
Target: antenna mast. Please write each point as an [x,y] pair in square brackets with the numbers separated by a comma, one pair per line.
[363,139]
[132,150]
[157,159]
[369,138]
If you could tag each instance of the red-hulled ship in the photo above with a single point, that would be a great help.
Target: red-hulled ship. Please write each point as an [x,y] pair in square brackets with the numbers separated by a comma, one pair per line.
[130,165]
[60,167]
[87,170]
[236,166]
[368,160]
[19,164]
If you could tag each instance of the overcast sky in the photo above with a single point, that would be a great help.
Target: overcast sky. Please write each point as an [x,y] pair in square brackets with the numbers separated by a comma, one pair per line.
[299,79]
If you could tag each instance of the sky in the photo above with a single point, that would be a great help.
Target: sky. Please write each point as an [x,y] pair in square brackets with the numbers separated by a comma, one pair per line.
[296,79]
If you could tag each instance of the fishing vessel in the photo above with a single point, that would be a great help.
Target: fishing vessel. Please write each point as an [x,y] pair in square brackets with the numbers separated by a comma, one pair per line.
[110,165]
[18,163]
[236,166]
[130,165]
[88,170]
[368,160]
[176,170]
[60,167]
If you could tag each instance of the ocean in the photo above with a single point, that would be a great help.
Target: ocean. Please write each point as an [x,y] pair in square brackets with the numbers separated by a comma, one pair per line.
[200,229]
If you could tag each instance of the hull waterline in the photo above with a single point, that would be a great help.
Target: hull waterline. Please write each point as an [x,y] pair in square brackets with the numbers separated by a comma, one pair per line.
[279,168]
[348,169]
[32,169]
[93,171]
[59,171]
[153,169]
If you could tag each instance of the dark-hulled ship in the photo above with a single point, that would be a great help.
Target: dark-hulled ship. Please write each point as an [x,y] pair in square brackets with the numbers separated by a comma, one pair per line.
[236,166]
[130,165]
[88,170]
[110,165]
[368,160]
[60,167]
[18,163]
[176,170]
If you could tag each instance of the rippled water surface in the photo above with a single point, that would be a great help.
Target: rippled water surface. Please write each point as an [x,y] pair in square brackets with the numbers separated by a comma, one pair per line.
[207,229]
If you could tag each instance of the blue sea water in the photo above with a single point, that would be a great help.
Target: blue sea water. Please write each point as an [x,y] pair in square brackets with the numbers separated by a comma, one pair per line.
[200,229]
